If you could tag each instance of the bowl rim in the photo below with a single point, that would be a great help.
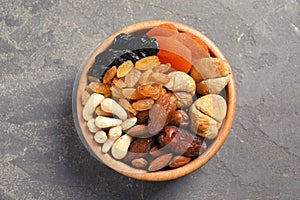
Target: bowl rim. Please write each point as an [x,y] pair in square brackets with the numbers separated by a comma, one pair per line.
[95,149]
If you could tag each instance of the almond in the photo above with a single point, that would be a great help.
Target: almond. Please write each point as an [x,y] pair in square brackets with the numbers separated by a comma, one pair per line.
[160,162]
[179,161]
[138,130]
[139,162]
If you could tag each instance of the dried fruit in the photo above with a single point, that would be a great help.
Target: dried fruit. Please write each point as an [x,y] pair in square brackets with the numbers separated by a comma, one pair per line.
[161,113]
[181,141]
[131,93]
[159,78]
[184,99]
[212,86]
[148,90]
[116,92]
[110,74]
[207,68]
[139,162]
[179,161]
[162,91]
[132,77]
[207,114]
[119,83]
[145,78]
[124,68]
[144,104]
[138,130]
[98,87]
[127,106]
[181,82]
[180,119]
[147,63]
[139,148]
[142,117]
[162,68]
[160,162]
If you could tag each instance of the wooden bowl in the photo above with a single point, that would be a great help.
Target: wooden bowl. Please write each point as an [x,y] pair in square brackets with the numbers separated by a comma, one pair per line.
[95,149]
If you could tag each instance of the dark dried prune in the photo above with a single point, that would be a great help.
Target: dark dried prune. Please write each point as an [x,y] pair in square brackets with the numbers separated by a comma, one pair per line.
[181,141]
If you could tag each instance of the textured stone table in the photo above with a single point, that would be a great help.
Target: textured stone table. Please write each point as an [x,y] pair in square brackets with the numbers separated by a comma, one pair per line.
[44,43]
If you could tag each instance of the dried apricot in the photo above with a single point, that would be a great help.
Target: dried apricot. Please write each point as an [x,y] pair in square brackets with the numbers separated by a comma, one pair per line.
[144,104]
[147,63]
[124,68]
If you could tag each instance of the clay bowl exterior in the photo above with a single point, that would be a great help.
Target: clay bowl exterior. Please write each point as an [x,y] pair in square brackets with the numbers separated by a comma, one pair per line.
[95,149]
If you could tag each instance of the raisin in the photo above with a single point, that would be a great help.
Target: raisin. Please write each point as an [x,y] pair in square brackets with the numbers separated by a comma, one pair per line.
[142,117]
[144,104]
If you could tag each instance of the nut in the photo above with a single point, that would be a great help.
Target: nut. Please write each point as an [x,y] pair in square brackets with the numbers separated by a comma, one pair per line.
[212,86]
[120,146]
[111,106]
[113,134]
[181,82]
[179,161]
[107,122]
[100,137]
[157,151]
[139,162]
[85,97]
[160,162]
[100,112]
[128,123]
[90,106]
[110,74]
[91,125]
[181,141]
[180,119]
[138,130]
[210,67]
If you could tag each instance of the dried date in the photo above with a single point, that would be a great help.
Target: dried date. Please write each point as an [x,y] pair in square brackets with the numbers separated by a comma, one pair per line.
[181,141]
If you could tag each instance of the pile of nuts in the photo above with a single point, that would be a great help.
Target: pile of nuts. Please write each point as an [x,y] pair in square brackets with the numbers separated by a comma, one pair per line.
[146,114]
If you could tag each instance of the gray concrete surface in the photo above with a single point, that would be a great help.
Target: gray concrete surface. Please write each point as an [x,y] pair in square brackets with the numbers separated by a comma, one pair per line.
[43,44]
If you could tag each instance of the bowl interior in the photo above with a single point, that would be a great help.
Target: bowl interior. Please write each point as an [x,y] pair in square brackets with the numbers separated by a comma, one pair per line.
[95,149]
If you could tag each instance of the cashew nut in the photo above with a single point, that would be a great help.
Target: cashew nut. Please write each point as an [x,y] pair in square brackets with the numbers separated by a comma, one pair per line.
[100,137]
[111,106]
[120,146]
[85,97]
[90,106]
[100,112]
[128,123]
[107,122]
[91,125]
[113,134]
